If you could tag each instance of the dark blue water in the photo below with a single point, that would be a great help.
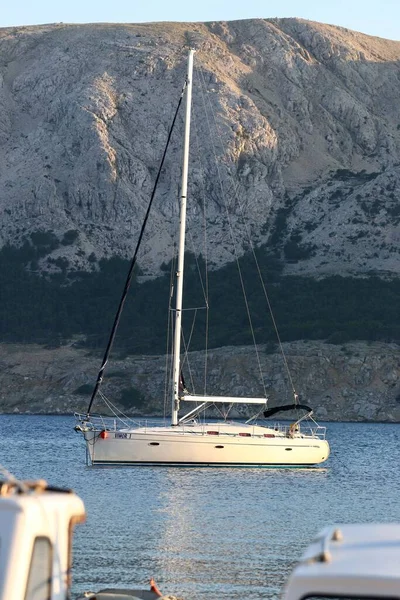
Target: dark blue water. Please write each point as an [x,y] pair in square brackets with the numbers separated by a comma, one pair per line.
[206,533]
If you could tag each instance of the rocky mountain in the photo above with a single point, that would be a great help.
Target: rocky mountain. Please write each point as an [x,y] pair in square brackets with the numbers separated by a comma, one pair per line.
[306,141]
[297,150]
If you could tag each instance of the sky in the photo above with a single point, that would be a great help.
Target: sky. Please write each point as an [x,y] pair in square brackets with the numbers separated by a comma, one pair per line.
[374,17]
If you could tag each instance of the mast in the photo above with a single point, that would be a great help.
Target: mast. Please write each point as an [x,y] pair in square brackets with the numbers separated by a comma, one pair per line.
[181,249]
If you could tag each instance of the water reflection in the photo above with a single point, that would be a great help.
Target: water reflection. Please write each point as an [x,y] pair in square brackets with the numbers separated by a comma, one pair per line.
[206,534]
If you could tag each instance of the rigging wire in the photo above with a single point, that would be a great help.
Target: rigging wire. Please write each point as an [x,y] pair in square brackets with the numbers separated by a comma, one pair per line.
[295,395]
[117,412]
[133,262]
[240,205]
[186,355]
[168,361]
[205,249]
[236,254]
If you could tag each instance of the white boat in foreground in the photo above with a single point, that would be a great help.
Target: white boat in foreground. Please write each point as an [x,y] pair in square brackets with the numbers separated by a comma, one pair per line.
[189,440]
[349,561]
[36,531]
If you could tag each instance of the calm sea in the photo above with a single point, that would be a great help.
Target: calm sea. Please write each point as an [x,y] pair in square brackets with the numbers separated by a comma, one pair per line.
[206,534]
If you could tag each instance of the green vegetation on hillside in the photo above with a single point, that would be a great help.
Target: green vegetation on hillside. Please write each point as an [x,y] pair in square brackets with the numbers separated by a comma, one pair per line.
[52,310]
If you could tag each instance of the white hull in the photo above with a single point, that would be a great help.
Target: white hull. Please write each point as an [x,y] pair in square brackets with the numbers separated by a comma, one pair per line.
[205,445]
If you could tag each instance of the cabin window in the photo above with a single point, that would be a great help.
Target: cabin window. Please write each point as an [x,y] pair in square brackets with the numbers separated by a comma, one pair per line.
[39,579]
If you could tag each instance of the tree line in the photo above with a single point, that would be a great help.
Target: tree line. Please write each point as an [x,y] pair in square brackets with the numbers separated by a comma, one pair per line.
[52,309]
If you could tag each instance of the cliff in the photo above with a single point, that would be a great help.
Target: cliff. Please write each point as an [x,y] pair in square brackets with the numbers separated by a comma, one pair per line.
[306,124]
[307,137]
[354,382]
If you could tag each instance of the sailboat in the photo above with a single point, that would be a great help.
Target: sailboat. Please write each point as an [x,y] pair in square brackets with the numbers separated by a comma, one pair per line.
[189,440]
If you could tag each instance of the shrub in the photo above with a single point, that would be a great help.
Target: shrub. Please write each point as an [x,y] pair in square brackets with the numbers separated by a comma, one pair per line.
[84,390]
[70,237]
[271,347]
[295,251]
[45,241]
[131,397]
[338,337]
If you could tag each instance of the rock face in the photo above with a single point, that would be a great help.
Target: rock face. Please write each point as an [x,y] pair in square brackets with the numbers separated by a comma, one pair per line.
[303,155]
[306,124]
[354,382]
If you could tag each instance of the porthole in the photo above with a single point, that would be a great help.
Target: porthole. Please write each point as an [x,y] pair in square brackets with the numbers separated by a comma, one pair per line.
[154,444]
[288,449]
[219,446]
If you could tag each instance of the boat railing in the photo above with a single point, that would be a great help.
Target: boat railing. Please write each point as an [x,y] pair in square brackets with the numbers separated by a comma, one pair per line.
[101,422]
[314,430]
[96,422]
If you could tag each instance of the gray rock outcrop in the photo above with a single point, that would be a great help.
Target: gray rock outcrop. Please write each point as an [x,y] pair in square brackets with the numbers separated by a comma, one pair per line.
[306,145]
[353,382]
[306,125]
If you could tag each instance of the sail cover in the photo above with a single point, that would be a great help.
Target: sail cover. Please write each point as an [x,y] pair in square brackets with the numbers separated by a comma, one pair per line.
[286,407]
